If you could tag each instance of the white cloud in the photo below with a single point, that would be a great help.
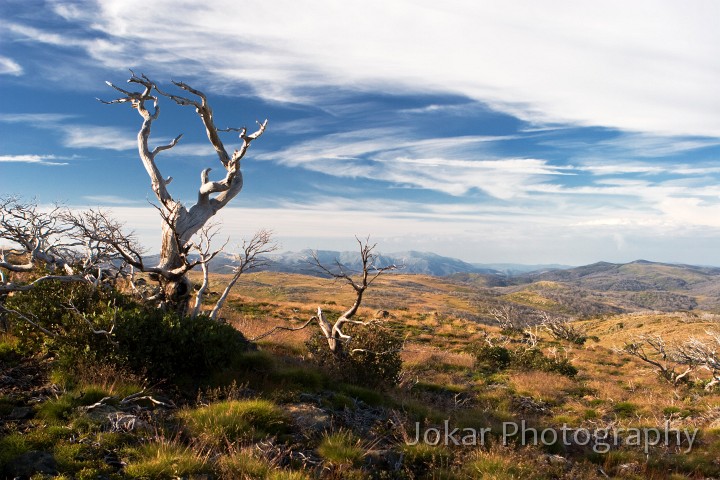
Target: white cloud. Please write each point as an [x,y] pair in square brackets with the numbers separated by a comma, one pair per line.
[640,66]
[38,119]
[76,135]
[442,164]
[30,158]
[8,66]
[98,48]
[192,150]
[93,136]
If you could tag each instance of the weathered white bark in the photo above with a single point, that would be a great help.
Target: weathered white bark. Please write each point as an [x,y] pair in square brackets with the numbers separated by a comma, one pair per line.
[370,272]
[704,354]
[250,257]
[332,332]
[180,223]
[43,240]
[201,292]
[45,245]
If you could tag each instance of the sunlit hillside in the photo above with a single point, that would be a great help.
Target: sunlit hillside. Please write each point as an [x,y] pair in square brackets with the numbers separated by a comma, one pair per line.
[276,411]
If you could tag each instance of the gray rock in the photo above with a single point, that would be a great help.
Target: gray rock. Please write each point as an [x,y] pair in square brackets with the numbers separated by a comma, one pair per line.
[32,462]
[21,413]
[309,419]
[557,460]
[98,413]
[385,460]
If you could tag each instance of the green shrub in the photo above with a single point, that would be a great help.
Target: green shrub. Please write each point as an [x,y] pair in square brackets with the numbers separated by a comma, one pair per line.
[144,339]
[370,358]
[534,359]
[167,345]
[491,359]
[51,305]
[625,409]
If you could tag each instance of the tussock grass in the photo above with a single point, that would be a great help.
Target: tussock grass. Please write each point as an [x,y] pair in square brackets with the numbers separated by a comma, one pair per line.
[57,409]
[166,460]
[11,446]
[235,420]
[341,448]
[423,457]
[244,465]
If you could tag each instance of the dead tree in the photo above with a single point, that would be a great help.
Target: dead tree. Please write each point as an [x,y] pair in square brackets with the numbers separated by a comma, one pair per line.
[508,318]
[369,273]
[653,350]
[563,329]
[180,224]
[98,227]
[38,245]
[251,256]
[41,245]
[332,332]
[36,240]
[704,354]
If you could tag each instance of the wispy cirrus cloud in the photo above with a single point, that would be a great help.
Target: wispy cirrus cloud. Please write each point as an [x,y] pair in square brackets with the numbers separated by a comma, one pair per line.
[50,160]
[76,135]
[634,167]
[94,136]
[36,119]
[193,150]
[632,67]
[8,66]
[97,47]
[451,165]
[110,200]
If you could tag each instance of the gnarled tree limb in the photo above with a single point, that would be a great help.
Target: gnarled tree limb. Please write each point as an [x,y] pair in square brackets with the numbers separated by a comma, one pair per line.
[179,223]
[368,274]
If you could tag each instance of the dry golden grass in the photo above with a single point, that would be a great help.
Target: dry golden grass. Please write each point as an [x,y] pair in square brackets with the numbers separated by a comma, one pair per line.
[613,331]
[421,355]
[437,320]
[549,387]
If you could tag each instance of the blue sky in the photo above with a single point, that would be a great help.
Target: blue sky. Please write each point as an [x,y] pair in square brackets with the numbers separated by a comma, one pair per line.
[522,131]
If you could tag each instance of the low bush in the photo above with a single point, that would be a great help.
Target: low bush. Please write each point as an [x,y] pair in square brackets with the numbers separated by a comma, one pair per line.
[492,359]
[370,358]
[144,339]
[166,345]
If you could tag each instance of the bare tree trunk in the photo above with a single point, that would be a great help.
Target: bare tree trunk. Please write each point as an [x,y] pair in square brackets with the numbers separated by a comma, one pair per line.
[179,223]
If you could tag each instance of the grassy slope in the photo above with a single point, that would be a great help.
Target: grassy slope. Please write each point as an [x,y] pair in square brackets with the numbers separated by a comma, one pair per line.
[440,381]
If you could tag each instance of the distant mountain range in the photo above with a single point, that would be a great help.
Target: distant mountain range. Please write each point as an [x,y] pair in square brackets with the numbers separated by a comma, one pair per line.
[425,263]
[639,275]
[628,286]
[594,289]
